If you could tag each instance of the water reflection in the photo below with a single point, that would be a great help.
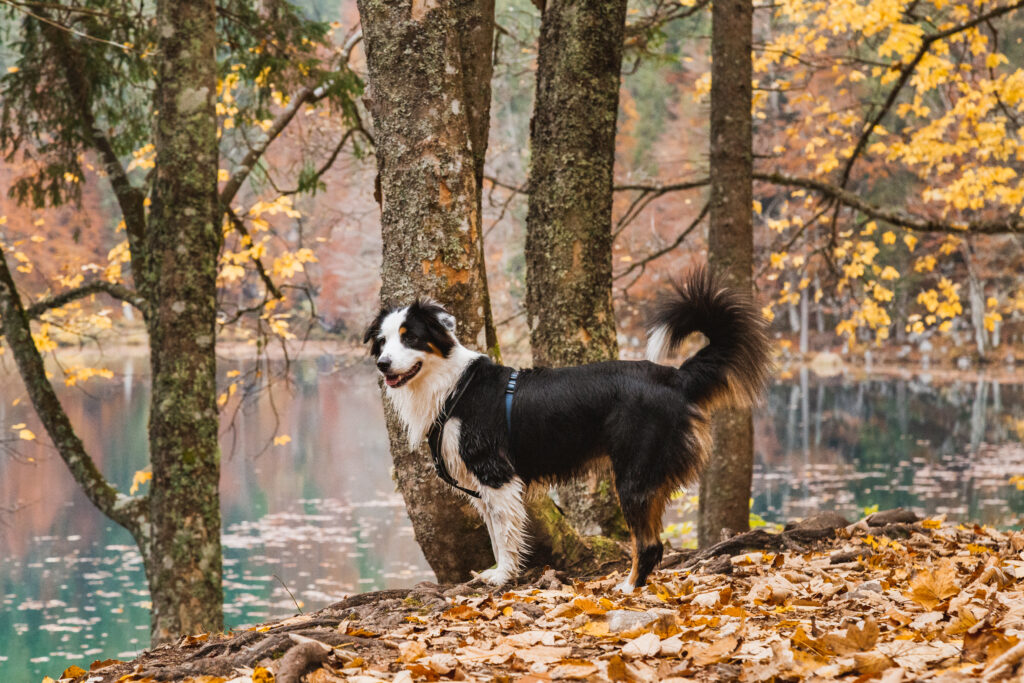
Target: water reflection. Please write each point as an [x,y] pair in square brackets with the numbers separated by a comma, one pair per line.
[319,514]
[847,445]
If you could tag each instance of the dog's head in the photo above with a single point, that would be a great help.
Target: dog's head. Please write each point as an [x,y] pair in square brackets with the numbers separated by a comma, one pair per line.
[408,340]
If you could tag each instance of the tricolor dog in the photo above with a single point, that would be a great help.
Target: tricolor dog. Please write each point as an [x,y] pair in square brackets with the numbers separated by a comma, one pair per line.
[496,431]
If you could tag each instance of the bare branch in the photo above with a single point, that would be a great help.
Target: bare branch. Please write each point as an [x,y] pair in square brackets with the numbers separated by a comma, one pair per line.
[117,291]
[129,198]
[234,183]
[642,263]
[129,512]
[1006,226]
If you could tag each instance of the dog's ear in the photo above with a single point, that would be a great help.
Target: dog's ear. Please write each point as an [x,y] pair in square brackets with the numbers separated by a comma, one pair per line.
[437,311]
[447,319]
[374,329]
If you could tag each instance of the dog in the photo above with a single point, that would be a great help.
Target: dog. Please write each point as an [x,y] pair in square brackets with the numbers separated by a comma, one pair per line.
[651,421]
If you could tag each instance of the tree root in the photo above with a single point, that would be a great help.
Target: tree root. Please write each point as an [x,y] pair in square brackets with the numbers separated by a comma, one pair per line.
[300,659]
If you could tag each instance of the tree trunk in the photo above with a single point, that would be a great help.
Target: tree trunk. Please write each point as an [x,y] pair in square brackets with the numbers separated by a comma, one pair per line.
[725,486]
[183,241]
[475,28]
[430,224]
[568,225]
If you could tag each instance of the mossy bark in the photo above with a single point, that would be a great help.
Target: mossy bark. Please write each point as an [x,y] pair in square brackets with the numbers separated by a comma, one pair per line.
[430,224]
[569,230]
[725,486]
[182,243]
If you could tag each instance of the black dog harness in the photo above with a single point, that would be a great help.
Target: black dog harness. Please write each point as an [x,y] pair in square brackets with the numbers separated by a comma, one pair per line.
[437,429]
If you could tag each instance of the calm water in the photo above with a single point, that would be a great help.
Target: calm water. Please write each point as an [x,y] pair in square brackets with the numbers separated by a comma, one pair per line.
[319,513]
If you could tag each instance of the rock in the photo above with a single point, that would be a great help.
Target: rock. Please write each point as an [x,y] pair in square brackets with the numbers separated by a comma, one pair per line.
[627,620]
[820,522]
[873,586]
[895,516]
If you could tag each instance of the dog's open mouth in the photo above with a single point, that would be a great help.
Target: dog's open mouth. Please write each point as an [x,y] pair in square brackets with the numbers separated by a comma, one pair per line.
[395,381]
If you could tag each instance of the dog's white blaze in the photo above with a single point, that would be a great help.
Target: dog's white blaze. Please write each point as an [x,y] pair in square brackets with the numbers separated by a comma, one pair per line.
[402,357]
[502,509]
[658,343]
[419,401]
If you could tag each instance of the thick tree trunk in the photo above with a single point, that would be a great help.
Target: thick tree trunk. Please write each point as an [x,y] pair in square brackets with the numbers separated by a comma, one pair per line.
[430,224]
[725,486]
[568,233]
[183,240]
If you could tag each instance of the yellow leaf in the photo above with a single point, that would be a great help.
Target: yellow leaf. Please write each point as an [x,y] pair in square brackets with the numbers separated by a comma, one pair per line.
[910,241]
[282,440]
[26,435]
[889,237]
[140,478]
[931,588]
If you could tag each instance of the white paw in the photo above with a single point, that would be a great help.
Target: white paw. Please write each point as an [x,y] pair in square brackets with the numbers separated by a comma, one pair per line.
[625,587]
[496,576]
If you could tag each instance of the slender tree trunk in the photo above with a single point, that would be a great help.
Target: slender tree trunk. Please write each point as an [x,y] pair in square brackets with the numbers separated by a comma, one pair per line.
[475,28]
[725,486]
[183,241]
[568,225]
[430,223]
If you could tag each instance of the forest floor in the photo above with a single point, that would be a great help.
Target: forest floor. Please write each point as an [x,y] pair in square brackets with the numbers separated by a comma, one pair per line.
[889,598]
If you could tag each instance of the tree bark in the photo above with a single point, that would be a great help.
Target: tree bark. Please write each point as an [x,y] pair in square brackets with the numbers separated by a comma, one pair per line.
[475,27]
[725,486]
[568,225]
[430,224]
[183,241]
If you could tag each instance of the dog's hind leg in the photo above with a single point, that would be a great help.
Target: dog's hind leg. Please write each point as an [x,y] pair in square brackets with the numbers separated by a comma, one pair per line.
[642,509]
[506,510]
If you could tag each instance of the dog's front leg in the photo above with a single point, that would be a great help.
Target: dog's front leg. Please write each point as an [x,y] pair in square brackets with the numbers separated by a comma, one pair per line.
[481,510]
[504,507]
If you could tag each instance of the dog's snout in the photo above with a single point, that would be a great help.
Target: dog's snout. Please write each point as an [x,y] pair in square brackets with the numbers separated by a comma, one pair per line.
[384,364]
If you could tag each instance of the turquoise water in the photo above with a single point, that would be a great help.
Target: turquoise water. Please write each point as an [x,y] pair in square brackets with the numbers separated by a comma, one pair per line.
[319,513]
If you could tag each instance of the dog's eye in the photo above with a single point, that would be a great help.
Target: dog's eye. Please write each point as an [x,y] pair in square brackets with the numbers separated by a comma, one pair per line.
[408,337]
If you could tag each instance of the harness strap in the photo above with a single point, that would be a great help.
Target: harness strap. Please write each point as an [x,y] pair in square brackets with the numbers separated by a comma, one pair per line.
[510,391]
[436,433]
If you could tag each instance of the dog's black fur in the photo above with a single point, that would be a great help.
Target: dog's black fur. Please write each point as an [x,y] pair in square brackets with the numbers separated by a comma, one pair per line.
[651,421]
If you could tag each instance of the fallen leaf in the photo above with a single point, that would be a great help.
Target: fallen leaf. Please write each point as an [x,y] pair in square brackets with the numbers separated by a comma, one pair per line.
[573,670]
[856,639]
[718,651]
[461,613]
[646,645]
[931,588]
[410,651]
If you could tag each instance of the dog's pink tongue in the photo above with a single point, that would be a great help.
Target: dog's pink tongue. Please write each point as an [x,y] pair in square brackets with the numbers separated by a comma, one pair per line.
[392,380]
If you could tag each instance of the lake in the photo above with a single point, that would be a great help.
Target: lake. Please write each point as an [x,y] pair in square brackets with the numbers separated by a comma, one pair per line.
[318,513]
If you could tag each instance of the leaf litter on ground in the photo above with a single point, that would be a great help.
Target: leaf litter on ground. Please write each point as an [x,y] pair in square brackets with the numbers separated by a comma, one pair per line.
[890,598]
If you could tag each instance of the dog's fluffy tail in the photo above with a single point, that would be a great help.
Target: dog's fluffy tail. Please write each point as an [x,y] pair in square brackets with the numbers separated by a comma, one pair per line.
[734,367]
